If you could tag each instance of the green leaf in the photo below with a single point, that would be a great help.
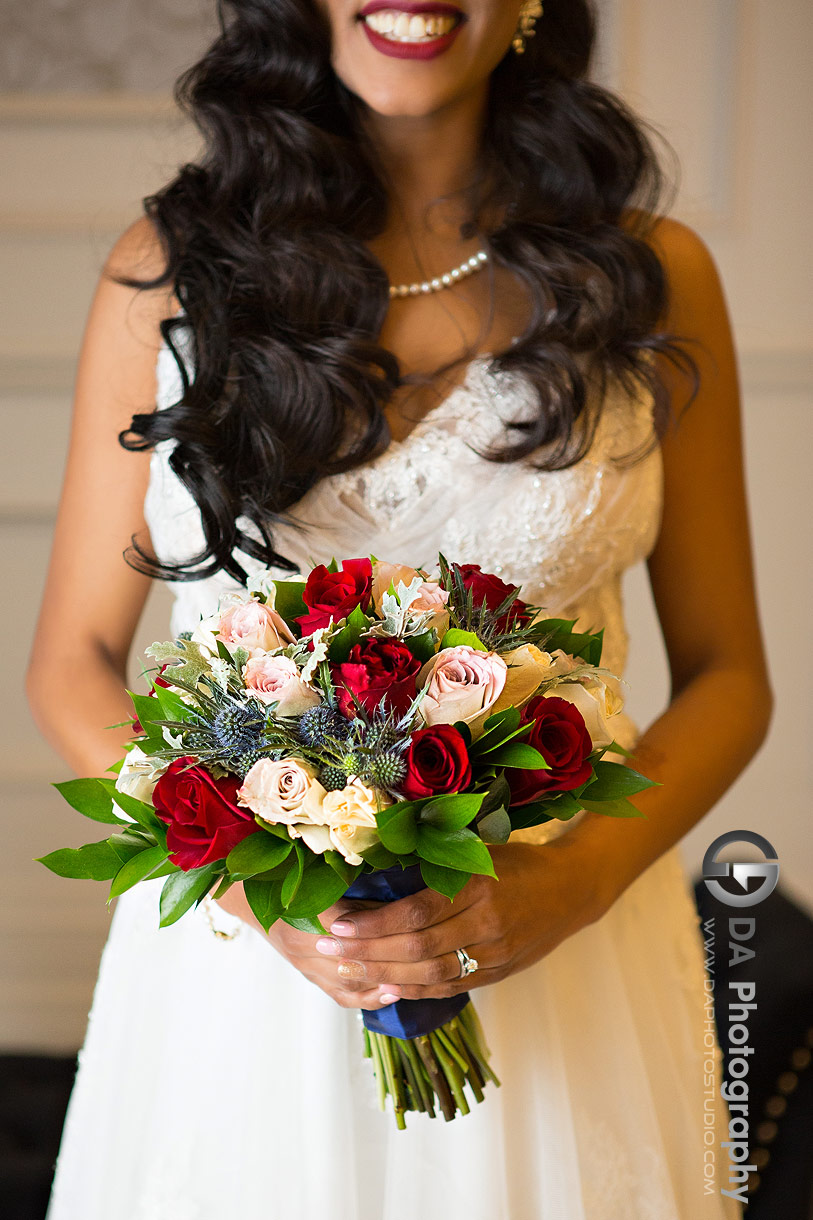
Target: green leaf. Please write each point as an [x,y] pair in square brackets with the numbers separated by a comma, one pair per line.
[535,813]
[615,748]
[397,828]
[448,881]
[141,813]
[263,896]
[293,877]
[347,872]
[182,890]
[288,599]
[92,798]
[618,808]
[518,754]
[460,849]
[136,869]
[455,636]
[495,827]
[496,796]
[257,853]
[558,633]
[378,856]
[421,646]
[129,844]
[172,705]
[223,888]
[564,807]
[339,647]
[93,862]
[319,888]
[451,812]
[614,780]
[148,710]
[305,923]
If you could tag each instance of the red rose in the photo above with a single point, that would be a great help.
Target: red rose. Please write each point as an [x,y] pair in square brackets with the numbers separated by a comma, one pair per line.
[376,669]
[334,594]
[437,761]
[560,735]
[202,815]
[490,591]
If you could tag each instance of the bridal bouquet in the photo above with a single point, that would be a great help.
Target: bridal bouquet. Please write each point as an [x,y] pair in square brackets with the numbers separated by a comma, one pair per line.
[366,732]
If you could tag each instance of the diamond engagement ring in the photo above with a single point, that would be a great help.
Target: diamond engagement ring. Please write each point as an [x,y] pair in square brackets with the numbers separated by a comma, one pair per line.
[468,965]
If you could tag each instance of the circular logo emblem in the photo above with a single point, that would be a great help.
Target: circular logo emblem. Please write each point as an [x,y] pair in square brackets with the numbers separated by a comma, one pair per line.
[740,874]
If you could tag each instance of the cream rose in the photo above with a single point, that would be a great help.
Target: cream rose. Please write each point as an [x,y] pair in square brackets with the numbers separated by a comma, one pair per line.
[139,775]
[276,679]
[597,703]
[461,683]
[253,625]
[317,838]
[350,815]
[284,790]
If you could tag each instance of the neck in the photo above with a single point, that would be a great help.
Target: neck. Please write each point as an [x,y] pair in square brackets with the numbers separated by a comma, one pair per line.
[431,158]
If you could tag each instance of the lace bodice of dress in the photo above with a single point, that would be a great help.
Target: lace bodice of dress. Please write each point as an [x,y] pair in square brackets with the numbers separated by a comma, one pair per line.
[566,536]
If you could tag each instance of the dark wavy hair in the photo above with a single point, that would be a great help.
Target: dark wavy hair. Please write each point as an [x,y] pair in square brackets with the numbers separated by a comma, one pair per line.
[284,380]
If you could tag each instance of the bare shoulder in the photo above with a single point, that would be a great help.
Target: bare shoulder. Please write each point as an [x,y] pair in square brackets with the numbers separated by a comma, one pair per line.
[138,254]
[694,288]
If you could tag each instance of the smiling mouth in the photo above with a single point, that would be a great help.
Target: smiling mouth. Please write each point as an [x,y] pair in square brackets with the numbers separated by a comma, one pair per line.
[397,26]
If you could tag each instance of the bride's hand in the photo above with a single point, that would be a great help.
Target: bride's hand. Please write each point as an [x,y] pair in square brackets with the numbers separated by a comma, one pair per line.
[299,948]
[544,894]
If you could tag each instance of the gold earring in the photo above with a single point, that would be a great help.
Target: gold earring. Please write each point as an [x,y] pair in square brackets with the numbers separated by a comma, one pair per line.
[529,14]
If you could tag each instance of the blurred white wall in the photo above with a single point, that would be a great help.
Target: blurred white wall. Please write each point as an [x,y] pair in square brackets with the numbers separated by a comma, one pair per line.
[728,82]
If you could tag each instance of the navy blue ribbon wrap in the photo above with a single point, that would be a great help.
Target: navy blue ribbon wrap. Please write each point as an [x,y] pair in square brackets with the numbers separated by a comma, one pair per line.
[404,1018]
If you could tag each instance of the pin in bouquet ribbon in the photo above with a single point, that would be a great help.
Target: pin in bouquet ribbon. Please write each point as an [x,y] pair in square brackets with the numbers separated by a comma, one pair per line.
[367,731]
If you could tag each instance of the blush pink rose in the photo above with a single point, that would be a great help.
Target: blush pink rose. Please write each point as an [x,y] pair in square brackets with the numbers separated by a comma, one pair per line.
[430,595]
[253,625]
[461,684]
[276,680]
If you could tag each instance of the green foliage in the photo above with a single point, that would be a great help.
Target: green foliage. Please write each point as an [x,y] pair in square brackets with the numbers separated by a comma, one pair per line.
[93,862]
[138,868]
[183,890]
[618,808]
[288,599]
[452,811]
[455,636]
[397,827]
[257,853]
[319,888]
[263,896]
[422,645]
[614,780]
[458,849]
[448,881]
[341,643]
[520,755]
[294,875]
[495,827]
[558,633]
[92,798]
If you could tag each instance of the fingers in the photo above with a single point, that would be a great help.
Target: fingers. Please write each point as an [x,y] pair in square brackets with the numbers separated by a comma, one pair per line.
[444,968]
[409,914]
[417,946]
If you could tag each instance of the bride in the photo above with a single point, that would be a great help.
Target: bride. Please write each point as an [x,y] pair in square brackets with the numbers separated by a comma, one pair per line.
[416,295]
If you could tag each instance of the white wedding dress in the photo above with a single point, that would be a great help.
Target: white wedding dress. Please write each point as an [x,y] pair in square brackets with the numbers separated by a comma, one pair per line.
[216,1083]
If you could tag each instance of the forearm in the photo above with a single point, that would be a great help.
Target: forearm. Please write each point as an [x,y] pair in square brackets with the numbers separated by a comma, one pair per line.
[73,702]
[695,751]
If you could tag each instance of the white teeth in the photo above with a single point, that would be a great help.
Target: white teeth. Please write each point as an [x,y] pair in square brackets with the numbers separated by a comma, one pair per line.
[399,26]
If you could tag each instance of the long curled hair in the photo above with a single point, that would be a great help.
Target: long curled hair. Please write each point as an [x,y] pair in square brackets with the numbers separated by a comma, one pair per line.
[284,380]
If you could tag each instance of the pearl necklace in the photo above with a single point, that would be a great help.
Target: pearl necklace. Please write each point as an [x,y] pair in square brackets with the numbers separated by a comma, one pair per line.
[475,263]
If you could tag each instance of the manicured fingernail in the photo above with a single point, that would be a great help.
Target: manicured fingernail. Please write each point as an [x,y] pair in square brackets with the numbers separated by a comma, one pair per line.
[325,944]
[388,998]
[351,970]
[343,927]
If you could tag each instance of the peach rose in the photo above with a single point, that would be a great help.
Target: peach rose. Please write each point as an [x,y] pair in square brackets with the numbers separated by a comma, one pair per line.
[276,679]
[283,790]
[461,683]
[430,595]
[253,625]
[350,815]
[596,701]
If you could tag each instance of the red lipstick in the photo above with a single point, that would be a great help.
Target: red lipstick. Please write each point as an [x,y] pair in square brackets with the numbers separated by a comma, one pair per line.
[426,49]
